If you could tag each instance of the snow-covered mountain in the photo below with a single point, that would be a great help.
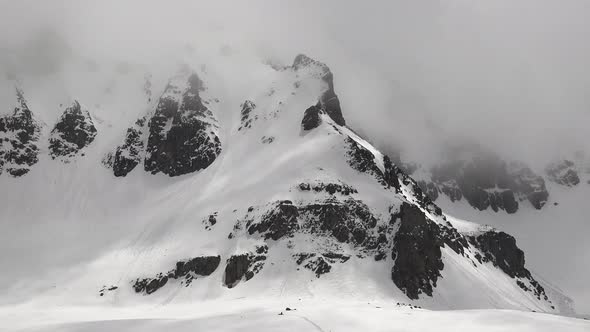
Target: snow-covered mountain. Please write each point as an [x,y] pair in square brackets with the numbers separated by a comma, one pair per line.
[126,185]
[486,181]
[480,183]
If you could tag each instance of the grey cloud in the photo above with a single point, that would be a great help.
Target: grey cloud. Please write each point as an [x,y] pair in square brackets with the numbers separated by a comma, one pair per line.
[514,75]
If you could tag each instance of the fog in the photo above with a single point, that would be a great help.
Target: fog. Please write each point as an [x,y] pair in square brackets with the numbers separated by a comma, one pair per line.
[512,75]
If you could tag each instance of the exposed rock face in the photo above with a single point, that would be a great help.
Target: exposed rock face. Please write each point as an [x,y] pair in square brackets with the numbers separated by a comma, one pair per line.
[349,221]
[331,188]
[528,185]
[150,285]
[181,139]
[333,220]
[500,249]
[329,101]
[320,264]
[72,133]
[486,181]
[335,223]
[247,118]
[277,223]
[311,118]
[563,173]
[19,136]
[186,270]
[244,266]
[363,160]
[417,251]
[429,189]
[130,154]
[202,266]
[210,221]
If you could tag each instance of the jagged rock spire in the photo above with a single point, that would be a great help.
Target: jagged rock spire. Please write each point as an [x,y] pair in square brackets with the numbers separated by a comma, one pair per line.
[329,100]
[19,134]
[72,133]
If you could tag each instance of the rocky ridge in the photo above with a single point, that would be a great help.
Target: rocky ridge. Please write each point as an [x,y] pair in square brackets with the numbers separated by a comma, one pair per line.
[71,134]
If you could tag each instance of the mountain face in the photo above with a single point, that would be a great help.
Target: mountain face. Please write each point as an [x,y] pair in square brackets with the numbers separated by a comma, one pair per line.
[488,182]
[72,133]
[266,194]
[178,138]
[564,173]
[19,133]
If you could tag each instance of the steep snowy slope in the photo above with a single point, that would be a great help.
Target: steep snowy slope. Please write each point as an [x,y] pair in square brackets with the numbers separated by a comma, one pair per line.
[474,183]
[212,185]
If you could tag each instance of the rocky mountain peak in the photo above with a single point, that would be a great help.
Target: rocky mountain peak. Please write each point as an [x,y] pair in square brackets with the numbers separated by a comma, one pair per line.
[320,203]
[72,133]
[485,180]
[22,111]
[329,100]
[19,134]
[563,172]
[179,137]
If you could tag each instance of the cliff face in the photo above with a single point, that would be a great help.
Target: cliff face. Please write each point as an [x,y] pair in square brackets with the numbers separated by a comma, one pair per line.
[262,191]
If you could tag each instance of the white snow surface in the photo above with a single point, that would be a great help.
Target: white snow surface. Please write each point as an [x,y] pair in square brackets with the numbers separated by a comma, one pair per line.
[67,230]
[272,315]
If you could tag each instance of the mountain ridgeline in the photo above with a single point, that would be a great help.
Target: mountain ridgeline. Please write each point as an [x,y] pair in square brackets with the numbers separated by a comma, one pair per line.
[345,202]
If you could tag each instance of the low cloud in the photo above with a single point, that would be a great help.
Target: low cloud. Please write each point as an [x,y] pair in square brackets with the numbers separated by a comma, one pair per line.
[511,75]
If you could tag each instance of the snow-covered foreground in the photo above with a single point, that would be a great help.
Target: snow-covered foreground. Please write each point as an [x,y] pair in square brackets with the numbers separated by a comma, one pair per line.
[304,315]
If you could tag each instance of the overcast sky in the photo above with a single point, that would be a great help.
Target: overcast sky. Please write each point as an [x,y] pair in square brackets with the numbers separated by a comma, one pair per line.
[514,75]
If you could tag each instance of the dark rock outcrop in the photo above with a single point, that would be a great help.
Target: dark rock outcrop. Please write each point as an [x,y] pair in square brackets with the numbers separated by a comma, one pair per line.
[276,223]
[486,181]
[392,176]
[247,118]
[429,189]
[417,251]
[320,264]
[348,221]
[186,270]
[328,101]
[331,188]
[180,140]
[106,289]
[201,266]
[500,249]
[150,285]
[528,185]
[19,136]
[563,173]
[72,133]
[311,118]
[363,160]
[334,220]
[210,221]
[244,266]
[130,154]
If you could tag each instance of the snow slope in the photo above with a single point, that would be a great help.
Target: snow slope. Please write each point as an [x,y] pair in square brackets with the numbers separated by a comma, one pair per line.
[74,236]
[270,315]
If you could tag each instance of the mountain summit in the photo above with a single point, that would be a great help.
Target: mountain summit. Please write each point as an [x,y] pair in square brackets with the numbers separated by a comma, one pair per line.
[210,192]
